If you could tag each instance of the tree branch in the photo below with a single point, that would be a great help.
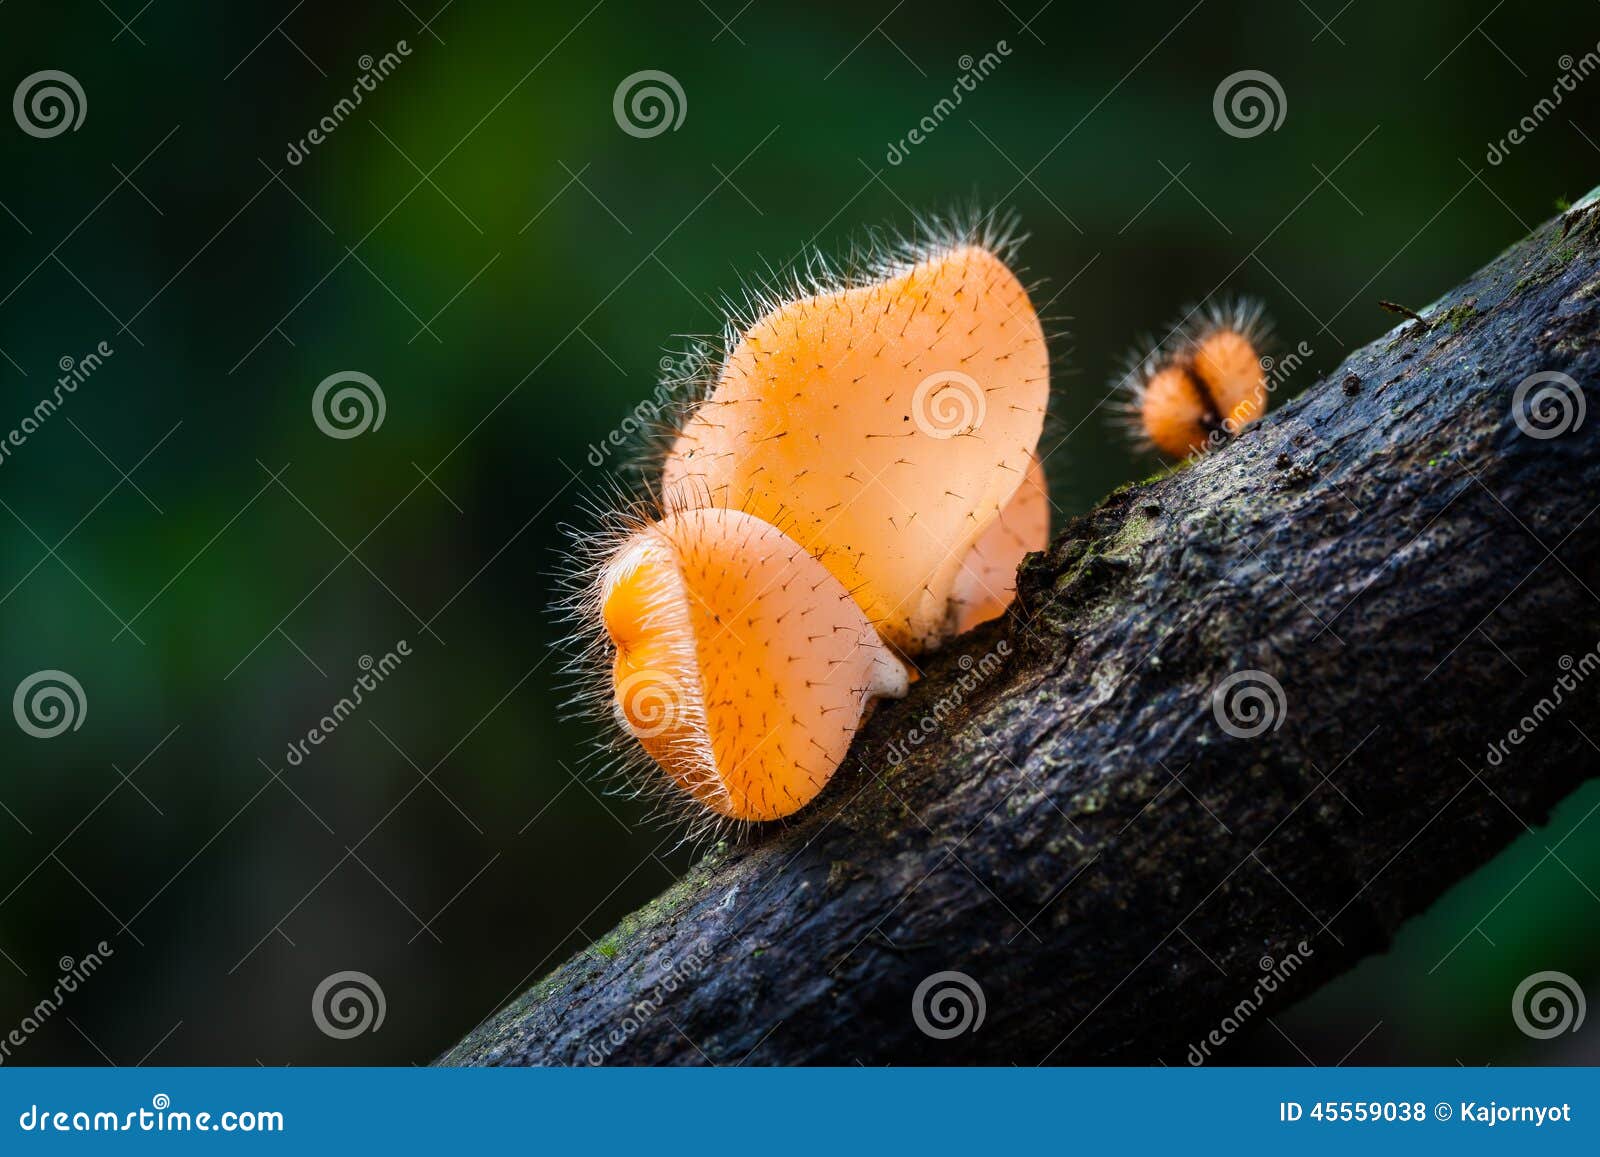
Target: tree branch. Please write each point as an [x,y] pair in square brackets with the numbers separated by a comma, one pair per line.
[1077,832]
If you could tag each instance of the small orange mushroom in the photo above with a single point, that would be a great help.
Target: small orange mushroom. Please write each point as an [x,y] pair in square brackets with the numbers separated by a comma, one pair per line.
[1204,388]
[742,666]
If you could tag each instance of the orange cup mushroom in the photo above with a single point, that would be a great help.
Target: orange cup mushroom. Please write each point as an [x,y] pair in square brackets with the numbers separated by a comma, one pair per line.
[742,666]
[1206,388]
[886,426]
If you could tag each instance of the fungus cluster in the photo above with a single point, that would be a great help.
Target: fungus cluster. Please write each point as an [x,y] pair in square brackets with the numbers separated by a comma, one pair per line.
[852,480]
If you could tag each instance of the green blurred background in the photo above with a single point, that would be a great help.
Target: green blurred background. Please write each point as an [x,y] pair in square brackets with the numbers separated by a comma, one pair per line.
[482,238]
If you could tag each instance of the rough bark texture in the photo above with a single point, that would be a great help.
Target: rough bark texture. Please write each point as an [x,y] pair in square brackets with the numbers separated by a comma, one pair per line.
[1079,834]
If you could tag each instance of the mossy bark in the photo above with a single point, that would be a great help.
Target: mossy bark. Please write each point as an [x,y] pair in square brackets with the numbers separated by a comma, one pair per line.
[1076,831]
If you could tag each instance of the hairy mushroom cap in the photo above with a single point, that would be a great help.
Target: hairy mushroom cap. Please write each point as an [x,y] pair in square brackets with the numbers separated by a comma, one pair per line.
[1228,366]
[884,425]
[1176,412]
[1206,385]
[742,666]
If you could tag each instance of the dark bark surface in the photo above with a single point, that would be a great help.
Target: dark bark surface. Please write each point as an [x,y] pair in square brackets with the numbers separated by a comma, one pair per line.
[1077,832]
